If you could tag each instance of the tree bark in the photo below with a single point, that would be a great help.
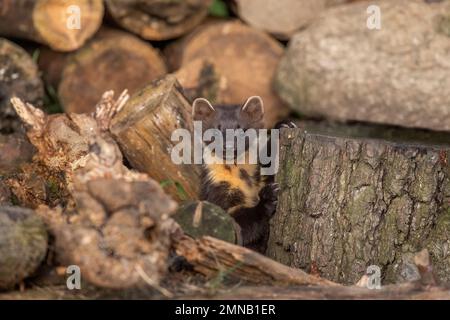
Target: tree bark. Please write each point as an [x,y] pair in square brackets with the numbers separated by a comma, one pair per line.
[19,77]
[117,227]
[144,128]
[23,244]
[47,22]
[113,60]
[243,59]
[215,258]
[157,19]
[342,68]
[347,203]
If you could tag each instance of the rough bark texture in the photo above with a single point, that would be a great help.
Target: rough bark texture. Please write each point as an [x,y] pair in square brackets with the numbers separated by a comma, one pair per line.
[349,203]
[113,60]
[47,21]
[158,19]
[244,60]
[23,244]
[201,218]
[215,258]
[19,77]
[144,128]
[61,141]
[118,228]
[341,69]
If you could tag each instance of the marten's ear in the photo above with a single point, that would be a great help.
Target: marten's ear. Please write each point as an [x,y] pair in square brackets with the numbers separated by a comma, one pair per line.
[202,110]
[253,109]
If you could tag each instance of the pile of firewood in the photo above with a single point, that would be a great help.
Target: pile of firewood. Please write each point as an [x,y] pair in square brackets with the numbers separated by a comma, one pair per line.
[87,113]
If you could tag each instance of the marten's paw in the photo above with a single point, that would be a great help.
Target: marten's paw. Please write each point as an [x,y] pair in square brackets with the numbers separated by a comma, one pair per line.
[269,198]
[285,124]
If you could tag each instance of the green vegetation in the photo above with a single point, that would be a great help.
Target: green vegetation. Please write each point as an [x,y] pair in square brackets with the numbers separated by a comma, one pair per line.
[219,9]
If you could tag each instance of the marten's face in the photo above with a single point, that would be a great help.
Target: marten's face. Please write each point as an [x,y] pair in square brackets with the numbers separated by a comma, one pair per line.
[225,117]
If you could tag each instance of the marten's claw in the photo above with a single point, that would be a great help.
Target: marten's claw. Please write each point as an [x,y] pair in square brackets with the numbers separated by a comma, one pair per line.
[270,192]
[285,124]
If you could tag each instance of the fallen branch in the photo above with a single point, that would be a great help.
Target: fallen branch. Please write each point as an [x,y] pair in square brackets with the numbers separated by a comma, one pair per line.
[209,256]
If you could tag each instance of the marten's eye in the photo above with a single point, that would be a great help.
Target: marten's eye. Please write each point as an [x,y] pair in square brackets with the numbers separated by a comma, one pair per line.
[219,127]
[238,126]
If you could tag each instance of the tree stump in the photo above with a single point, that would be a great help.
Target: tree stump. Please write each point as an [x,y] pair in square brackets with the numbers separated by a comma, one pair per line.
[19,77]
[144,128]
[53,23]
[23,245]
[340,69]
[348,203]
[158,19]
[113,60]
[243,59]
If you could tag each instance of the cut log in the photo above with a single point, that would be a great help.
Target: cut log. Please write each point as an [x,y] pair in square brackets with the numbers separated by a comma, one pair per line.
[117,228]
[52,63]
[348,203]
[243,59]
[282,18]
[158,19]
[201,218]
[19,77]
[119,236]
[113,60]
[23,245]
[144,128]
[341,69]
[62,142]
[62,25]
[200,79]
[212,257]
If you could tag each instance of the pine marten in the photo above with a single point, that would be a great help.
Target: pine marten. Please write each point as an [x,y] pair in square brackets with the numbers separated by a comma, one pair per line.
[240,189]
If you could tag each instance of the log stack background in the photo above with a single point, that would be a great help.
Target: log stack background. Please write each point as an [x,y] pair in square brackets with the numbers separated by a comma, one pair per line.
[95,165]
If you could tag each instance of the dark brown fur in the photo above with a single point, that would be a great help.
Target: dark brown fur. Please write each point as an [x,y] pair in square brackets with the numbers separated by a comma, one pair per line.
[239,188]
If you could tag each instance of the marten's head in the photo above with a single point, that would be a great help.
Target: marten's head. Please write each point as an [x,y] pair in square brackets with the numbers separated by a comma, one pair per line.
[225,117]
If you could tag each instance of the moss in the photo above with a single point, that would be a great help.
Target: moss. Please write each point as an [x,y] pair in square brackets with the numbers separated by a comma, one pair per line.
[214,221]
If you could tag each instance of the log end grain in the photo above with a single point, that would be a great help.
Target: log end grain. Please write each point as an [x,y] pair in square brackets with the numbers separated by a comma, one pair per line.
[113,60]
[19,77]
[66,27]
[159,20]
[244,59]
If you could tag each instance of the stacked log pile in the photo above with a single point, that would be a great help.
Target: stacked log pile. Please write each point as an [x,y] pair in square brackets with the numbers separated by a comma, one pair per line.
[89,98]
